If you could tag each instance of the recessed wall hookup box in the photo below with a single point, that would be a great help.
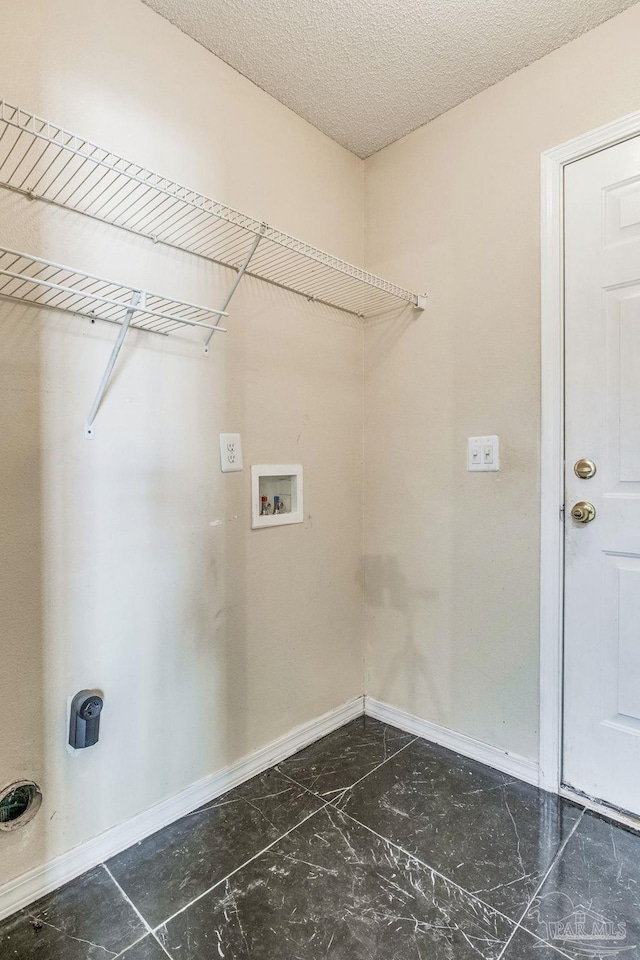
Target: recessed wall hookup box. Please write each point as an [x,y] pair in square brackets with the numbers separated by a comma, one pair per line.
[276,494]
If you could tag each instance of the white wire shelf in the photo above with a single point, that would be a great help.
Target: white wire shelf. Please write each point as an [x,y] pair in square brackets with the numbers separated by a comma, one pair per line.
[46,284]
[44,161]
[42,283]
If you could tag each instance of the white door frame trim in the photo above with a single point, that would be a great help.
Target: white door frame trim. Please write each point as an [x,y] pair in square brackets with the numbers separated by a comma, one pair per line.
[552,442]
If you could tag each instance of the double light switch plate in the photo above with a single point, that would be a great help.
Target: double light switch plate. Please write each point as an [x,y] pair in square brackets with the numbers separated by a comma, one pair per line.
[483,454]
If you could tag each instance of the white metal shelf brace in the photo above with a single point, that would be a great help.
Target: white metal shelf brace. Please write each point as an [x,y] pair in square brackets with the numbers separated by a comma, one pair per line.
[240,274]
[42,160]
[46,284]
[106,376]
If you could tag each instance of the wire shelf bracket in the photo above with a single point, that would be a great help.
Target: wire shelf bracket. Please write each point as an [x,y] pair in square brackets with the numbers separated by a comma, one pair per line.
[43,283]
[236,283]
[106,376]
[42,160]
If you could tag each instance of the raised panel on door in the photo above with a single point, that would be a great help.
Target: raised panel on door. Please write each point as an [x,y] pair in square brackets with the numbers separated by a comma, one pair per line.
[621,371]
[621,646]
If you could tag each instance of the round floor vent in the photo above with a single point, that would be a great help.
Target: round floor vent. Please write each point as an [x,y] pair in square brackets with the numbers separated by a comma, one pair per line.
[19,803]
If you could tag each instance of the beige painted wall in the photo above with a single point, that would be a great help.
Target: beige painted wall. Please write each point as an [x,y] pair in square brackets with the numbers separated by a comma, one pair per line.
[221,639]
[451,558]
[209,641]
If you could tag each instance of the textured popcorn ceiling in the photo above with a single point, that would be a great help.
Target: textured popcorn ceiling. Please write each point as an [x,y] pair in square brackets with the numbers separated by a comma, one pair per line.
[367,72]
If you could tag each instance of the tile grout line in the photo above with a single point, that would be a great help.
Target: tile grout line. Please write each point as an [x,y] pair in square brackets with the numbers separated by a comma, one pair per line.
[423,863]
[537,890]
[375,769]
[319,796]
[332,804]
[232,873]
[516,925]
[324,804]
[135,909]
[554,860]
[135,943]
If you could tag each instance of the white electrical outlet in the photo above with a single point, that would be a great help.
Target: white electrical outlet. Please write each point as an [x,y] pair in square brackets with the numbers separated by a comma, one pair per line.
[483,454]
[230,452]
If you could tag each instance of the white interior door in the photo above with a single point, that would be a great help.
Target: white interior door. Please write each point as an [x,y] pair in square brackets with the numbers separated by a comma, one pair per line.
[601,740]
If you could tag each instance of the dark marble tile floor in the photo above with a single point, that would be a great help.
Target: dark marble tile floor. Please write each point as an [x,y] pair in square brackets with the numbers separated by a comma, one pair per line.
[493,835]
[171,868]
[368,845]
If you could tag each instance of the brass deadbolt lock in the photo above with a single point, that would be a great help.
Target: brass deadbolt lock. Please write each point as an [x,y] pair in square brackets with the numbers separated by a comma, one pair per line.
[583,512]
[585,469]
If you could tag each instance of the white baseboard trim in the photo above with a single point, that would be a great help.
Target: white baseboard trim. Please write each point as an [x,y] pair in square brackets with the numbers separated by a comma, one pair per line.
[509,763]
[19,893]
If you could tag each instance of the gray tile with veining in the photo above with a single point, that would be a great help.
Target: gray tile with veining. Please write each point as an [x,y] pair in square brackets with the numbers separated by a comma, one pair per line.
[147,949]
[332,765]
[164,872]
[590,902]
[87,919]
[332,889]
[494,836]
[525,946]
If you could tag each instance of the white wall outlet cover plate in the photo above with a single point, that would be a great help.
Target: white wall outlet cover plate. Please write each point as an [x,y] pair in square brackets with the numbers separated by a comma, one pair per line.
[230,452]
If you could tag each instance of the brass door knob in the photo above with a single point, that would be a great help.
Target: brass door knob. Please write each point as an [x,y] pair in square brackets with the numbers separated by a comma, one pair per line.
[583,512]
[585,469]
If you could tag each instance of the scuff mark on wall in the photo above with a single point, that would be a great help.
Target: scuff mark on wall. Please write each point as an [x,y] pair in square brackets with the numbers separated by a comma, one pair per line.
[219,523]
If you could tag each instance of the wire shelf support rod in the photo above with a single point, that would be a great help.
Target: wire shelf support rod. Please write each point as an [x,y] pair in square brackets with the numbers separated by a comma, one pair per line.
[106,376]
